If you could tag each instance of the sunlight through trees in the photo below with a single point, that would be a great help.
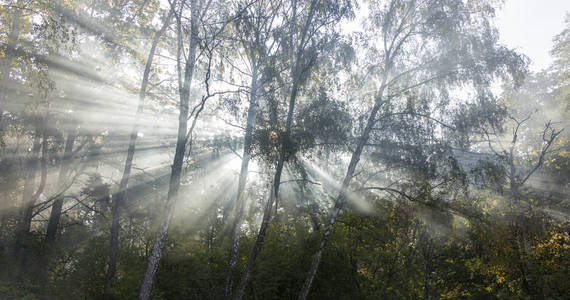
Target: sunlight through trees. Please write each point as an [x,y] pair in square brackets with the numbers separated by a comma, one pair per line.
[279,149]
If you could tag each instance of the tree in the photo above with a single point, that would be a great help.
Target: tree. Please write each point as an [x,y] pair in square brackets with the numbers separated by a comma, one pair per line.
[207,42]
[31,194]
[514,158]
[154,259]
[255,34]
[232,140]
[409,33]
[312,39]
[45,38]
[121,194]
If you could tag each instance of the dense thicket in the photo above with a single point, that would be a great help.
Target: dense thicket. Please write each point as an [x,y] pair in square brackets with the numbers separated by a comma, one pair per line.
[271,149]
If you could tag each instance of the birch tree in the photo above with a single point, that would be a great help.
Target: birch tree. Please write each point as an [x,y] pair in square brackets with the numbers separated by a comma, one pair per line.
[254,31]
[202,39]
[416,44]
[309,32]
[121,194]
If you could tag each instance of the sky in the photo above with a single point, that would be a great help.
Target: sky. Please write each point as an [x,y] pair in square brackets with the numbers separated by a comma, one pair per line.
[530,25]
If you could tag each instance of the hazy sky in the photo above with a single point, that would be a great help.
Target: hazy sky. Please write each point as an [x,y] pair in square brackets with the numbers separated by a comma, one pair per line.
[530,26]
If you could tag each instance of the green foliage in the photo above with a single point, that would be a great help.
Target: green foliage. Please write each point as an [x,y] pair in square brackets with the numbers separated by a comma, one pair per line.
[438,206]
[325,118]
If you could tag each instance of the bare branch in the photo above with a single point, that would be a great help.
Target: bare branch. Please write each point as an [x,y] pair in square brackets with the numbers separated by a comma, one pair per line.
[548,141]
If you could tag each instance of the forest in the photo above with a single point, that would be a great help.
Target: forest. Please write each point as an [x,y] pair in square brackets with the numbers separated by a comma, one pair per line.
[279,149]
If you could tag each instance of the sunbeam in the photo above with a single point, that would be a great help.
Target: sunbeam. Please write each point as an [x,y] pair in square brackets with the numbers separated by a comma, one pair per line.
[284,149]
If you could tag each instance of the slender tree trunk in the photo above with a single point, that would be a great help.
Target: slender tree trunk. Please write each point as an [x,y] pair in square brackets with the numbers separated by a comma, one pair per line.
[123,186]
[174,185]
[240,199]
[340,199]
[56,208]
[258,244]
[269,205]
[296,74]
[55,214]
[29,197]
[29,182]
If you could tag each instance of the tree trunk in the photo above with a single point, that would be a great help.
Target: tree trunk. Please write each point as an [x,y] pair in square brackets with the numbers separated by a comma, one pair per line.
[296,74]
[240,199]
[268,208]
[174,185]
[123,186]
[340,199]
[29,182]
[29,197]
[55,214]
[258,244]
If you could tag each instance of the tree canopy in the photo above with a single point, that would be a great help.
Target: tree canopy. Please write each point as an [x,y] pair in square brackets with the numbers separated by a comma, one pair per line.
[271,149]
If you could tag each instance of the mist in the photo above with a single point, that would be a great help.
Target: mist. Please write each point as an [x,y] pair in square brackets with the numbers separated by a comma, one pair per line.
[272,149]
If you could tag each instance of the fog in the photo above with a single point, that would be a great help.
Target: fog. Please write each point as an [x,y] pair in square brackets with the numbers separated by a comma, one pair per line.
[391,149]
